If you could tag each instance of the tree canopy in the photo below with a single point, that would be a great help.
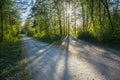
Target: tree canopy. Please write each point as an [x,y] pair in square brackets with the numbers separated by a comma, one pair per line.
[96,20]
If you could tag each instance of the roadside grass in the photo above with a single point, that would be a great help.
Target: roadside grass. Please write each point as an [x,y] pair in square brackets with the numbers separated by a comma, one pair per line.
[108,44]
[108,40]
[12,61]
[52,41]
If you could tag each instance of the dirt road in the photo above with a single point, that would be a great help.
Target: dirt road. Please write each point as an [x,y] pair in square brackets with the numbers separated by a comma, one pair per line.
[84,61]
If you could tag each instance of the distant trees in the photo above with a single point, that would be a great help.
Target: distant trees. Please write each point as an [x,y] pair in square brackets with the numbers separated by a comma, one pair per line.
[48,18]
[87,19]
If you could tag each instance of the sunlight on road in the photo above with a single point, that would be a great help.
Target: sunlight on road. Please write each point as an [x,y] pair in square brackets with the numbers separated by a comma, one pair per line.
[84,62]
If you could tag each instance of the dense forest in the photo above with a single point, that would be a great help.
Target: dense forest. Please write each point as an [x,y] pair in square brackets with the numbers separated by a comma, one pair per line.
[92,20]
[10,41]
[9,20]
[97,21]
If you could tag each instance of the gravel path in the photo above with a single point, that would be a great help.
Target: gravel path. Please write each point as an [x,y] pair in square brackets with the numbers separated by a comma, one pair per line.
[83,62]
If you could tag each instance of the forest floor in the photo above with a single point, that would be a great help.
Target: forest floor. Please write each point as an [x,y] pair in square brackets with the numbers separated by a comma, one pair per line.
[75,60]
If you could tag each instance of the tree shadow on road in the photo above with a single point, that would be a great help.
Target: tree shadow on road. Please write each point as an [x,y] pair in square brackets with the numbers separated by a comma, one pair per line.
[44,61]
[102,60]
[66,74]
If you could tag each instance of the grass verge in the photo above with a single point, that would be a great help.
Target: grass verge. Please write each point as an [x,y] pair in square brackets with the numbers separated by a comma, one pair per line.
[108,44]
[49,40]
[12,61]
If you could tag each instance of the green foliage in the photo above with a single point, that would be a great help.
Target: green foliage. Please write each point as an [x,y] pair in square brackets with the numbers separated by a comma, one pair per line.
[31,32]
[53,20]
[103,25]
[9,20]
[53,40]
[47,22]
[43,36]
[87,35]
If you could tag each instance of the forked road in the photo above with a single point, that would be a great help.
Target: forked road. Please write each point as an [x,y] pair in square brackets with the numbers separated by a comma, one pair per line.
[84,61]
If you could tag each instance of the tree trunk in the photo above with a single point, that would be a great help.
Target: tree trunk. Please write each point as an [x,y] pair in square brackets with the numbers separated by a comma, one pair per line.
[92,17]
[105,3]
[100,23]
[1,12]
[83,17]
[75,16]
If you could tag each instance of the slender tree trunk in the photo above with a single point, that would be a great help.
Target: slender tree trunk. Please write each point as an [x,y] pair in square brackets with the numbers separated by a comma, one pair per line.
[75,17]
[105,3]
[1,12]
[59,18]
[92,16]
[66,20]
[69,20]
[83,17]
[60,25]
[100,23]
